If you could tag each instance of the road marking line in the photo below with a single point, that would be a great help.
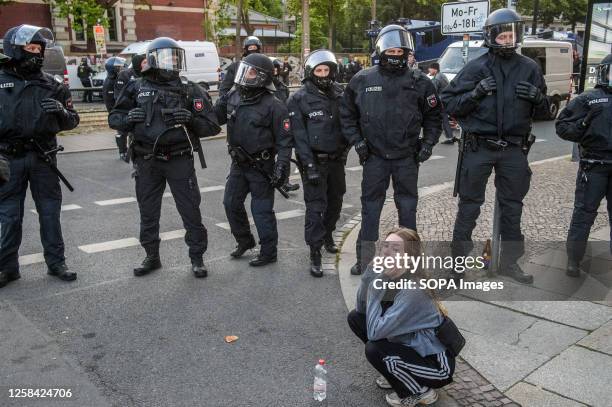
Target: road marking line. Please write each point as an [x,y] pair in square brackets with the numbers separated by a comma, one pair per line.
[357,168]
[436,157]
[294,213]
[173,234]
[31,259]
[65,208]
[540,140]
[110,245]
[130,199]
[117,201]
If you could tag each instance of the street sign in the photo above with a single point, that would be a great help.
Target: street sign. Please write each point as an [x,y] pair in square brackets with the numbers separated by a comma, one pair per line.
[464,17]
[99,39]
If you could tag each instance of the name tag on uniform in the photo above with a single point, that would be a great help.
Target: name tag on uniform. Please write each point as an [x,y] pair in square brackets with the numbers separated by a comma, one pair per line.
[7,85]
[597,101]
[374,89]
[315,114]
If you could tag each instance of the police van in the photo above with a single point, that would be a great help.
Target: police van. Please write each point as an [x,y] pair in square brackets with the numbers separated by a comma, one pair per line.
[202,58]
[553,57]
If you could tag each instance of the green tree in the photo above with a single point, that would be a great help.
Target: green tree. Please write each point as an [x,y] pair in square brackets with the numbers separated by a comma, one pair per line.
[83,13]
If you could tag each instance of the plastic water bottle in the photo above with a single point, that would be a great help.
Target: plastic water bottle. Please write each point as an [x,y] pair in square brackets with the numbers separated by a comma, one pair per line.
[320,381]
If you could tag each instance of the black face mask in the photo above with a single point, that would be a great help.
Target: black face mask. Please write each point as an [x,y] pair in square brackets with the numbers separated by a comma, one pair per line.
[30,63]
[505,52]
[163,75]
[247,92]
[322,83]
[393,63]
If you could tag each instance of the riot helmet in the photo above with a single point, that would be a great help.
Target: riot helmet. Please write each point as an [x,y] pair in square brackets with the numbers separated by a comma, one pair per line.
[321,57]
[503,31]
[604,79]
[255,71]
[251,45]
[278,66]
[393,36]
[18,39]
[114,65]
[165,58]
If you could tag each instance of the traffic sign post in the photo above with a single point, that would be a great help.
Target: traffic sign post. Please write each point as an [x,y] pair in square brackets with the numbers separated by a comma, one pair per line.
[464,17]
[100,39]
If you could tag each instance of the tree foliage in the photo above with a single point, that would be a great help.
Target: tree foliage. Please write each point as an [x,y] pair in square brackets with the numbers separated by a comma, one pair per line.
[83,13]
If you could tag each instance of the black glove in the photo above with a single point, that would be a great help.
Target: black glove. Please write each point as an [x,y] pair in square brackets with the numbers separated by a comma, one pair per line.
[313,175]
[484,87]
[52,106]
[424,152]
[136,115]
[279,175]
[527,91]
[5,170]
[181,116]
[594,111]
[362,150]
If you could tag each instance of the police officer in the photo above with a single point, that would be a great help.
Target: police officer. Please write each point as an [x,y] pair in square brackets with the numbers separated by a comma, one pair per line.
[282,94]
[167,117]
[34,107]
[114,66]
[495,98]
[321,150]
[84,73]
[258,129]
[586,120]
[382,112]
[251,45]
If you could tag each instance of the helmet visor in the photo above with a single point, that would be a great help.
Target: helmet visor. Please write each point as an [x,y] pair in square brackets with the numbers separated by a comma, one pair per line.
[250,76]
[27,34]
[394,39]
[603,75]
[168,59]
[508,35]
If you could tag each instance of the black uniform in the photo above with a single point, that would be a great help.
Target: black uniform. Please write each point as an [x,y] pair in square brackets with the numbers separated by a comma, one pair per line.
[23,122]
[261,127]
[594,179]
[388,110]
[498,115]
[108,92]
[319,144]
[84,73]
[282,91]
[163,152]
[123,78]
[228,79]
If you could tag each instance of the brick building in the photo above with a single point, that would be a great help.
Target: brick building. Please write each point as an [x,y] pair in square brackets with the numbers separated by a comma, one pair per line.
[133,20]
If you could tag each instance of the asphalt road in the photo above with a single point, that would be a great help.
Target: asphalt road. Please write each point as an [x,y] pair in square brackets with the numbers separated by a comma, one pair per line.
[158,340]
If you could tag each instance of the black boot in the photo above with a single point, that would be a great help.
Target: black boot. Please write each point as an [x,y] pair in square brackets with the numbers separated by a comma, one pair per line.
[356,269]
[329,245]
[573,268]
[61,271]
[149,264]
[315,262]
[242,248]
[6,277]
[197,266]
[262,260]
[515,272]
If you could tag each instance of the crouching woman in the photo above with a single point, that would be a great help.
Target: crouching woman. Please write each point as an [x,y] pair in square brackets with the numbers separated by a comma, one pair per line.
[398,328]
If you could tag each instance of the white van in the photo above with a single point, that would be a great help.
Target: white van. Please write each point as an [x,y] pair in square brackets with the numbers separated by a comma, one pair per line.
[203,66]
[553,57]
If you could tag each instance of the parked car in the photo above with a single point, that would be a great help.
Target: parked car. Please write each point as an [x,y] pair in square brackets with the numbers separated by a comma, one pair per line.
[553,57]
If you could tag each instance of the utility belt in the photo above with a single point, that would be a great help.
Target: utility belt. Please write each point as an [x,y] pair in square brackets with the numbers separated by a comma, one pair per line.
[587,164]
[17,148]
[325,157]
[162,153]
[239,158]
[496,144]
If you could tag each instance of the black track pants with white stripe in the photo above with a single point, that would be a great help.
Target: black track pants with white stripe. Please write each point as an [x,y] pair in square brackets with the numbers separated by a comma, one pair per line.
[405,370]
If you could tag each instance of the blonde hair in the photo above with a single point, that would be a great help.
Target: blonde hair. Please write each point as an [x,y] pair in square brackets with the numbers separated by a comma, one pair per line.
[413,247]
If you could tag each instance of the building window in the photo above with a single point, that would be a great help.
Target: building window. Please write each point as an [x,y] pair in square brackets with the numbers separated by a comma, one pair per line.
[111,13]
[80,34]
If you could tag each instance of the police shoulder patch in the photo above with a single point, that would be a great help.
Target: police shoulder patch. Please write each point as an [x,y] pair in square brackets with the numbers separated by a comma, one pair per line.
[286,125]
[432,100]
[198,105]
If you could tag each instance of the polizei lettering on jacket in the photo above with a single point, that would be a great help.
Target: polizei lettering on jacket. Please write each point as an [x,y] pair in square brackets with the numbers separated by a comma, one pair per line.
[374,89]
[597,101]
[315,114]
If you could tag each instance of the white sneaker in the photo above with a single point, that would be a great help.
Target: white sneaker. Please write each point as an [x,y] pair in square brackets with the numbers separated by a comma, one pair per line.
[382,382]
[429,397]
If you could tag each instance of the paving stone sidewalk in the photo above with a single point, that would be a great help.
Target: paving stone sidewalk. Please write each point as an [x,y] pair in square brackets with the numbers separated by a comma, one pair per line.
[532,353]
